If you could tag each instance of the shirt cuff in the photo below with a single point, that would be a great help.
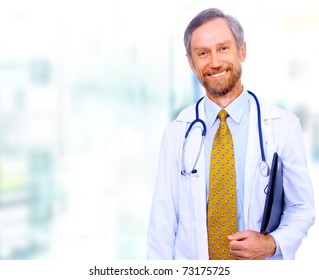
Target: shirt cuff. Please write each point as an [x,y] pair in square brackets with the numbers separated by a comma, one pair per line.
[278,250]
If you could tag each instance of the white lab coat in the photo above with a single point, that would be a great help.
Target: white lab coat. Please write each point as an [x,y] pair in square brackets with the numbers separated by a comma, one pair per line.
[177,226]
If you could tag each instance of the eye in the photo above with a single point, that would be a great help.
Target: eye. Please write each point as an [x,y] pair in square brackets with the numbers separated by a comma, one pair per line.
[202,54]
[224,48]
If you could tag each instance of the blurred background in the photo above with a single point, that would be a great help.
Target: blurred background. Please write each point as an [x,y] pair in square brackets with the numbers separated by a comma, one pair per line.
[86,90]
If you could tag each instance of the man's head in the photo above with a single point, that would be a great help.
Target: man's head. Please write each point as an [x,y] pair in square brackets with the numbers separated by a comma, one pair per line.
[215,49]
[208,15]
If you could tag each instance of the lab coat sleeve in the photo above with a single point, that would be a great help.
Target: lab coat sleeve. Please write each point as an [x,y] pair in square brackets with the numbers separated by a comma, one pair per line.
[298,213]
[164,214]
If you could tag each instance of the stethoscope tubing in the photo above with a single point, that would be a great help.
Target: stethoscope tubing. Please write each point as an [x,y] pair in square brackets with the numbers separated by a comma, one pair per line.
[263,166]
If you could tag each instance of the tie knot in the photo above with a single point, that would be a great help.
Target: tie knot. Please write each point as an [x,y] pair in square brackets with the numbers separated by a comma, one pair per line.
[222,115]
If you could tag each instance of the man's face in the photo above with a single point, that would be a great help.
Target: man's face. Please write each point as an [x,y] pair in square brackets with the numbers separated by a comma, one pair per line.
[215,57]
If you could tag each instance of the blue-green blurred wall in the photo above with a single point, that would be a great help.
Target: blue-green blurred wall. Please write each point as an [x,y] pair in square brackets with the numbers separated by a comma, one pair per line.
[86,89]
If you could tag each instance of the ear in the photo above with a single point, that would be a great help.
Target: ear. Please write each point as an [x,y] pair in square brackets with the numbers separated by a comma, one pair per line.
[242,53]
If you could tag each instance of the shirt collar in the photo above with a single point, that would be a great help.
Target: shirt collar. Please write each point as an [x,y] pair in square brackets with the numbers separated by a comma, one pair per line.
[235,109]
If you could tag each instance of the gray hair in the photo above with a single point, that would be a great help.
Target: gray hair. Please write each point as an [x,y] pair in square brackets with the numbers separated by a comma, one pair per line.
[208,15]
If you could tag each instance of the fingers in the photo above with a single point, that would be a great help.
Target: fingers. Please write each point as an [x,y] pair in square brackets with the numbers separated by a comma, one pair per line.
[239,235]
[239,244]
[236,249]
[251,245]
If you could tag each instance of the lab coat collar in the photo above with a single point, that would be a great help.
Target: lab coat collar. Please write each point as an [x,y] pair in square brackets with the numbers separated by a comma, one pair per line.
[267,112]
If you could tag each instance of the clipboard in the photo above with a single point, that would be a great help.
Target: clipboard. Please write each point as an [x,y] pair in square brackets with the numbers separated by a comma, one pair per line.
[274,202]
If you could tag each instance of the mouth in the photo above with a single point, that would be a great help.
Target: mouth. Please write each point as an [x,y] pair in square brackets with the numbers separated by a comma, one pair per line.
[218,74]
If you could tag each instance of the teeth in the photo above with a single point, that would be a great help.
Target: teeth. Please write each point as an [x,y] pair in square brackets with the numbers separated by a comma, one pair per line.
[218,74]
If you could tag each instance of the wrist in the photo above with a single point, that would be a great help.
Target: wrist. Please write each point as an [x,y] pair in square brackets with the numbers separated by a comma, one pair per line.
[272,245]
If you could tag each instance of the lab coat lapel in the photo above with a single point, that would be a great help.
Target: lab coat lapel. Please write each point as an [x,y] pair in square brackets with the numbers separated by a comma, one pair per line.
[253,157]
[198,191]
[197,181]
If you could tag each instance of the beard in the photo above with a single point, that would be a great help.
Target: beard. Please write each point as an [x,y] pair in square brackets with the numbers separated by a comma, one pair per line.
[223,86]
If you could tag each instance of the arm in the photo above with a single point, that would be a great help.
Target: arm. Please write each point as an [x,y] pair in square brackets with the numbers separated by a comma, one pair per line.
[298,214]
[163,217]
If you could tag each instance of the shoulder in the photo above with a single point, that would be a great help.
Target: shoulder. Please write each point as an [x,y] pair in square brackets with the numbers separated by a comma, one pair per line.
[187,114]
[175,130]
[284,125]
[178,124]
[276,113]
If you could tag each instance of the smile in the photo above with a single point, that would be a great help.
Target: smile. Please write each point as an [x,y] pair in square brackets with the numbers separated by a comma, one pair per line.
[218,74]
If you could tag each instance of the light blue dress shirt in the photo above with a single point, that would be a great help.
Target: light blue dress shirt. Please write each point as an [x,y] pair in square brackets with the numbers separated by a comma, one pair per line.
[237,121]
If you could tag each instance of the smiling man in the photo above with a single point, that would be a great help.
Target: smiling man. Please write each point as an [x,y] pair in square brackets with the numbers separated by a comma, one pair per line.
[210,193]
[216,59]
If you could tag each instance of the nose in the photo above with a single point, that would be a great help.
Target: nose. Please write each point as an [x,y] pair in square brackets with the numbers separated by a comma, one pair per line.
[215,60]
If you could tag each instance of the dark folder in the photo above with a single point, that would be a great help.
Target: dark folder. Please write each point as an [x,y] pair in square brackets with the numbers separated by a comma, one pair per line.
[274,197]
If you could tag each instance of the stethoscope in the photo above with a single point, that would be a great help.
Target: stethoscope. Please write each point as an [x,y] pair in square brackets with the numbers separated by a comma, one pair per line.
[263,166]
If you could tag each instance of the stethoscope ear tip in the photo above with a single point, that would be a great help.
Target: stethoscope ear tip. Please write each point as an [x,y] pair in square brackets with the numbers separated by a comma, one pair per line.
[194,171]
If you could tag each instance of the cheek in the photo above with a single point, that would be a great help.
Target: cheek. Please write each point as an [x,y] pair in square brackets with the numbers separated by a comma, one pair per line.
[199,68]
[199,74]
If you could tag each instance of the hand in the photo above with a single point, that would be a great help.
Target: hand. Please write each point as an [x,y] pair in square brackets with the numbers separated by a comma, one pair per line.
[251,245]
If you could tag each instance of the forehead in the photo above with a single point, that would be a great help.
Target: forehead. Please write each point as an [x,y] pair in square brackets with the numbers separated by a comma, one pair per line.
[211,33]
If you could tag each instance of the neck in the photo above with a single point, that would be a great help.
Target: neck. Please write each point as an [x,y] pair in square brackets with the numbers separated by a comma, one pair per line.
[224,100]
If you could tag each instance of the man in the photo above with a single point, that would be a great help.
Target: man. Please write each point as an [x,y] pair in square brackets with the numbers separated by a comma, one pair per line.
[193,188]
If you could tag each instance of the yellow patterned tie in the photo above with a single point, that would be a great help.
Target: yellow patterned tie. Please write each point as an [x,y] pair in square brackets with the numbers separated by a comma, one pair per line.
[221,208]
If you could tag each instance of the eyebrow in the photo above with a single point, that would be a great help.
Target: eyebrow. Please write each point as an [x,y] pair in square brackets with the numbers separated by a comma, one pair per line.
[217,44]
